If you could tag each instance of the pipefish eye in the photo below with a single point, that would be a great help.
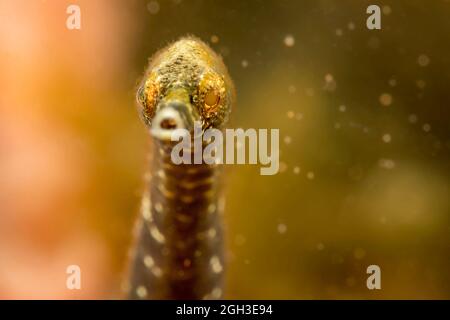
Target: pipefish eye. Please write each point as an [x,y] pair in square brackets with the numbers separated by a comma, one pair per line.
[212,99]
[211,92]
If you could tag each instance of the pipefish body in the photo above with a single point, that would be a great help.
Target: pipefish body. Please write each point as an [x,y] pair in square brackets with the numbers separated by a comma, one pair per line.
[178,253]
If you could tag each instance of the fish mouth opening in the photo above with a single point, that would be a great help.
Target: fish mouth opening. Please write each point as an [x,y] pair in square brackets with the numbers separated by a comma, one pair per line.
[174,117]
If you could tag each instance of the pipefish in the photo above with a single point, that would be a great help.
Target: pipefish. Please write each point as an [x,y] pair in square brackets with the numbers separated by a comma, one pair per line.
[178,251]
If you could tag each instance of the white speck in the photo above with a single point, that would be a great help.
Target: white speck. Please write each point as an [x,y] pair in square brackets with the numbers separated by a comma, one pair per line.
[287,139]
[156,234]
[146,208]
[141,291]
[351,26]
[211,208]
[157,272]
[386,138]
[158,207]
[214,39]
[423,60]
[216,293]
[426,127]
[296,170]
[339,32]
[386,99]
[239,240]
[387,10]
[216,266]
[282,228]
[244,63]
[386,164]
[148,261]
[392,82]
[329,77]
[421,84]
[412,118]
[342,108]
[330,82]
[310,175]
[289,40]
[290,114]
[212,233]
[153,7]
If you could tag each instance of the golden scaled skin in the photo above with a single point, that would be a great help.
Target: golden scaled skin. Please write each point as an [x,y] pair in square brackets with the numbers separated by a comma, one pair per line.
[188,70]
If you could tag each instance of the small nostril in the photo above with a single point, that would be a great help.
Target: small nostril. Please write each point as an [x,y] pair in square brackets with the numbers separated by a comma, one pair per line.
[168,124]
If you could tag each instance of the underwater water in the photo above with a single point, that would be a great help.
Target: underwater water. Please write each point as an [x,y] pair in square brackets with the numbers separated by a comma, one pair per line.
[363,117]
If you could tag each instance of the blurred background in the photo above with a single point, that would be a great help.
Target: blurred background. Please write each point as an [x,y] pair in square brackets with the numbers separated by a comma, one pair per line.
[364,129]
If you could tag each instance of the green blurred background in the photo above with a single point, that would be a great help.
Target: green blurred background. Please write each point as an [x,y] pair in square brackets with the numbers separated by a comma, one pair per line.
[364,129]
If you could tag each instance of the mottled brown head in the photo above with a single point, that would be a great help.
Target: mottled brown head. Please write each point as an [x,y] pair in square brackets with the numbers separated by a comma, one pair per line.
[185,82]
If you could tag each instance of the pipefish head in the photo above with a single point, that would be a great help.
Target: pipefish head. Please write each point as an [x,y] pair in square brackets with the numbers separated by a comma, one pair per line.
[186,82]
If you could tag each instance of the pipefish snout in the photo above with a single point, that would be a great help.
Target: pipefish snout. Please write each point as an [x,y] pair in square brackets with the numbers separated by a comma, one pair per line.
[178,252]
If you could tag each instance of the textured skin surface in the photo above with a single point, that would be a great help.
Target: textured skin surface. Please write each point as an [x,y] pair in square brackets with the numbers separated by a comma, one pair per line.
[178,252]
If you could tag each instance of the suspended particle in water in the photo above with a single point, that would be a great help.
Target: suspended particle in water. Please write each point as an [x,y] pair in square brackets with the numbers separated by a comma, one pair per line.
[329,77]
[330,83]
[283,166]
[387,10]
[386,164]
[287,139]
[292,89]
[289,40]
[423,60]
[320,246]
[392,82]
[239,240]
[299,116]
[282,228]
[412,118]
[337,125]
[296,170]
[385,99]
[153,7]
[351,25]
[214,39]
[386,138]
[339,32]
[290,114]
[421,84]
[426,127]
[342,108]
[310,175]
[244,63]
